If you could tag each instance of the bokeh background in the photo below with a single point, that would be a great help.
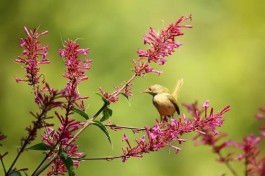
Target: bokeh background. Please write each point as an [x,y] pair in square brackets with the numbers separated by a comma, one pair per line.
[222,60]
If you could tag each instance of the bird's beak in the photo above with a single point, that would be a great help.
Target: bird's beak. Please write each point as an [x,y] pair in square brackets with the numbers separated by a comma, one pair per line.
[145,91]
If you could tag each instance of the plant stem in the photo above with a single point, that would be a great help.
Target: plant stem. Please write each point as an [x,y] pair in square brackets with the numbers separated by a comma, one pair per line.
[228,165]
[68,110]
[117,127]
[246,164]
[124,85]
[27,141]
[108,158]
[86,124]
[2,162]
[40,169]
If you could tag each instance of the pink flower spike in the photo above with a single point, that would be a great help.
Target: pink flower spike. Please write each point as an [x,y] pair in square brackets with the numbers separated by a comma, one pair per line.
[33,55]
[75,70]
[162,44]
[163,134]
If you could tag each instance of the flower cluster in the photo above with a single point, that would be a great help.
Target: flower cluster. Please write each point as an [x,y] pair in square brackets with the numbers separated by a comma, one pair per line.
[161,45]
[162,134]
[250,153]
[109,97]
[48,98]
[34,54]
[248,147]
[63,136]
[75,70]
[58,144]
[123,89]
[141,68]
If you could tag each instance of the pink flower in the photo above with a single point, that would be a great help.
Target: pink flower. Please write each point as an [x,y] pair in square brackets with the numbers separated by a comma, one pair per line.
[34,54]
[250,155]
[75,67]
[75,71]
[127,90]
[206,104]
[110,97]
[141,68]
[163,134]
[63,137]
[162,44]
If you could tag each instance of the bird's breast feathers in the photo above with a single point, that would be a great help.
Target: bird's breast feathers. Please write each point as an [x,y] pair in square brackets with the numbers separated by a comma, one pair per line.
[163,103]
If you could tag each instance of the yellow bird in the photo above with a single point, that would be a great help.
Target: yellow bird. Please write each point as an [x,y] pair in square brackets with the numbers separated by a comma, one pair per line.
[165,103]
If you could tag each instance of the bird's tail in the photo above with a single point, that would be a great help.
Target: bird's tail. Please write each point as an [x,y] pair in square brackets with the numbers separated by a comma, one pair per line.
[179,84]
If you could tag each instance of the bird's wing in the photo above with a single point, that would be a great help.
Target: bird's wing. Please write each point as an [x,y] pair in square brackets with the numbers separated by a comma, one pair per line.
[173,100]
[177,88]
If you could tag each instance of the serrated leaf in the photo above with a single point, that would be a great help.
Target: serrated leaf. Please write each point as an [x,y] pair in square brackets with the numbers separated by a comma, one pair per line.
[39,146]
[68,162]
[107,113]
[104,99]
[103,128]
[16,173]
[82,113]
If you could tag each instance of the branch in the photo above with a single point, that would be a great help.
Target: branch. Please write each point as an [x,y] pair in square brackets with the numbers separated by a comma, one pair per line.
[2,161]
[119,127]
[228,165]
[107,158]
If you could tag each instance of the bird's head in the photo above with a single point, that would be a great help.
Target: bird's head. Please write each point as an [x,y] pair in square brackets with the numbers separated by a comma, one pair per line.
[155,89]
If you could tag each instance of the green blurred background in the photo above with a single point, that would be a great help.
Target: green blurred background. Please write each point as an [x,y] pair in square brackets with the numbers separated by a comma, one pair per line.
[222,60]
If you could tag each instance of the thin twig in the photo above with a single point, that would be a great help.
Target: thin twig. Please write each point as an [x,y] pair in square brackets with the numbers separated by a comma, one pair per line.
[108,158]
[86,124]
[228,165]
[117,127]
[2,162]
[26,142]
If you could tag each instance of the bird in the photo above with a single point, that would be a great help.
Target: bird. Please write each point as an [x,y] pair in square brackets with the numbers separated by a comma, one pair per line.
[165,102]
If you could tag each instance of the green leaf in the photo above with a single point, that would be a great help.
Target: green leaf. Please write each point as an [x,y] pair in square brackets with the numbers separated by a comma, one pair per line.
[104,99]
[103,128]
[126,98]
[82,113]
[25,174]
[16,173]
[107,113]
[68,162]
[39,146]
